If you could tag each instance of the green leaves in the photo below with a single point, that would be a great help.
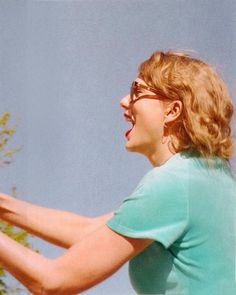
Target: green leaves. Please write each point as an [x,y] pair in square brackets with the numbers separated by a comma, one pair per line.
[19,235]
[6,134]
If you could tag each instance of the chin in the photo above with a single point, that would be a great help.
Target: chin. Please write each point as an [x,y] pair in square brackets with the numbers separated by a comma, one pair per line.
[134,148]
[129,147]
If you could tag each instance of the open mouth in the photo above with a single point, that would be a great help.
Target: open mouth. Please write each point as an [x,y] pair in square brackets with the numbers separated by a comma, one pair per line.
[129,119]
[128,131]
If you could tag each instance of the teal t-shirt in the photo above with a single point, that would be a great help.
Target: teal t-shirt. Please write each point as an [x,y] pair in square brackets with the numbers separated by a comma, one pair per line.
[189,209]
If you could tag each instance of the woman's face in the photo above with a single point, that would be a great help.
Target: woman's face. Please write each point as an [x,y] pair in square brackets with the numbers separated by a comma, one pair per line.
[147,116]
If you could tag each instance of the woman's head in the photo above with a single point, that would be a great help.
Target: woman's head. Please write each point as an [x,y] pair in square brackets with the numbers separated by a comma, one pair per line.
[149,113]
[207,109]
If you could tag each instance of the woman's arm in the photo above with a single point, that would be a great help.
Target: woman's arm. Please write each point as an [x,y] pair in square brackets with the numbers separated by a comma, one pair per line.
[59,227]
[82,266]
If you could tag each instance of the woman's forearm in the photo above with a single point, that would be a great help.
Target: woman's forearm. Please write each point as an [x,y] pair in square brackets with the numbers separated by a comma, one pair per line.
[59,227]
[30,268]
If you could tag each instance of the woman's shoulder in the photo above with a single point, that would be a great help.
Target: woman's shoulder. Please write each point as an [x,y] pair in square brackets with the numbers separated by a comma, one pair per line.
[179,161]
[166,174]
[185,166]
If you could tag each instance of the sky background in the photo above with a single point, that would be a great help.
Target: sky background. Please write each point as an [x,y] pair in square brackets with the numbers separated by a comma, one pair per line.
[64,66]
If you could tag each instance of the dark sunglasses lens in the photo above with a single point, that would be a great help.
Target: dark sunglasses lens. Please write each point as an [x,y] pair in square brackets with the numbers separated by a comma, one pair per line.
[132,89]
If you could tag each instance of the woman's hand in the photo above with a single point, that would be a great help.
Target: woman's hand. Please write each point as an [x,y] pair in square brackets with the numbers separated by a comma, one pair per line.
[59,227]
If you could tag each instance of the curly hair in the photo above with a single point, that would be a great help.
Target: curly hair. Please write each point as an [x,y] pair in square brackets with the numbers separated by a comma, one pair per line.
[204,124]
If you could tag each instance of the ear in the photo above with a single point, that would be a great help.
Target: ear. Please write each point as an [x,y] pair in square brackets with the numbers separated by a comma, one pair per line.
[173,111]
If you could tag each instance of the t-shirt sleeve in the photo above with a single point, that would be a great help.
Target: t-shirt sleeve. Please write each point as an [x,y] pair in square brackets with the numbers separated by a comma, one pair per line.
[156,210]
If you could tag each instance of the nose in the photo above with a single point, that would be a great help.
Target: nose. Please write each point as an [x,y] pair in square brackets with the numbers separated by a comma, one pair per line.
[125,101]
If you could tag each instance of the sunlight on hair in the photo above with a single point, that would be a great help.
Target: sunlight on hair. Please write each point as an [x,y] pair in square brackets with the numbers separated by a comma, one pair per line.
[205,123]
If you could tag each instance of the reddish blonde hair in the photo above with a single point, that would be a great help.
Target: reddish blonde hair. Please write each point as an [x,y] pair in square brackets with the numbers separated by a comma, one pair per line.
[204,124]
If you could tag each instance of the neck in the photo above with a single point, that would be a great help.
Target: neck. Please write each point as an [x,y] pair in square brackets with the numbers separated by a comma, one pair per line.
[160,155]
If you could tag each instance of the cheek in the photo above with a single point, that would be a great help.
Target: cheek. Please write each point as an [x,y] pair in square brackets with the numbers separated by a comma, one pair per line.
[149,117]
[151,126]
[154,118]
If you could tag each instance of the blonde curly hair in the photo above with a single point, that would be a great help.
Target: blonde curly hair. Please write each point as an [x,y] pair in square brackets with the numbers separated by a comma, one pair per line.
[204,124]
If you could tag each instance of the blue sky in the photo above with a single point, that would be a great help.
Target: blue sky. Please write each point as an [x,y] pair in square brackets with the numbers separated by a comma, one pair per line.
[64,67]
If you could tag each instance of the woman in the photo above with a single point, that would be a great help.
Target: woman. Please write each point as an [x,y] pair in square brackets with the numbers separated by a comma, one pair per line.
[177,228]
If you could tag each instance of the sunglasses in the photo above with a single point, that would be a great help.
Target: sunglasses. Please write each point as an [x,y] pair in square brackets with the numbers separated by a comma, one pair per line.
[137,89]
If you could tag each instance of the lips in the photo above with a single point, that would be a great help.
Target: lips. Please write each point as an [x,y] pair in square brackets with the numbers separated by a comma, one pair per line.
[129,119]
[128,131]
